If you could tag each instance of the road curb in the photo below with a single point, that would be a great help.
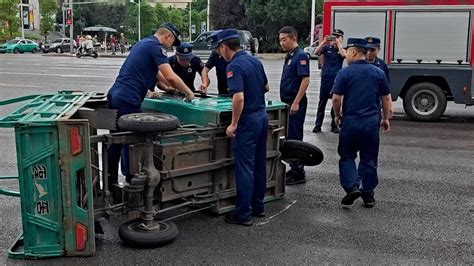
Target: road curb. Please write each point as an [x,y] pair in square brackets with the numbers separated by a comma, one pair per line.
[74,55]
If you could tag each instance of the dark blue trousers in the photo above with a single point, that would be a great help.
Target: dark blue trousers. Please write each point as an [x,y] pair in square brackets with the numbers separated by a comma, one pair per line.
[117,151]
[295,131]
[359,135]
[324,96]
[250,156]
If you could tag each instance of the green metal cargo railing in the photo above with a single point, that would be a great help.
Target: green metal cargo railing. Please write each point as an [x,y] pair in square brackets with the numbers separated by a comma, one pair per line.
[53,222]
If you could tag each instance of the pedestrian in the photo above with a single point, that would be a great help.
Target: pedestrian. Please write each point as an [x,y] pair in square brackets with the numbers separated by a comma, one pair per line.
[185,64]
[122,43]
[248,84]
[334,54]
[217,61]
[359,89]
[293,85]
[372,55]
[136,77]
[112,43]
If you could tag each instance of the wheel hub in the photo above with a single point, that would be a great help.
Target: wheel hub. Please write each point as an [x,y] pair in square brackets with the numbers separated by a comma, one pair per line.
[425,102]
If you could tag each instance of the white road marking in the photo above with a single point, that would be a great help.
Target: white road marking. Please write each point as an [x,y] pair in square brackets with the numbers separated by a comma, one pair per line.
[22,86]
[55,75]
[275,215]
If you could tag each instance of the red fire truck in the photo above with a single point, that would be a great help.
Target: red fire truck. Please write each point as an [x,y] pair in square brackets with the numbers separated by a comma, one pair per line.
[428,45]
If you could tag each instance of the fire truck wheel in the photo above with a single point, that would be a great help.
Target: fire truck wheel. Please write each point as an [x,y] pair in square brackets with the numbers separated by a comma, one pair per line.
[134,235]
[306,153]
[148,122]
[424,101]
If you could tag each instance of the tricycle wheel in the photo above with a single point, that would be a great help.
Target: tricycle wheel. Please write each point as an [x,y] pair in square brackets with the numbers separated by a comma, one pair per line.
[134,234]
[306,153]
[148,122]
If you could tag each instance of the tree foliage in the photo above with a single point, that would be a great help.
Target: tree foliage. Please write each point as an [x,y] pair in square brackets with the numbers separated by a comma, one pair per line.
[227,14]
[47,9]
[8,13]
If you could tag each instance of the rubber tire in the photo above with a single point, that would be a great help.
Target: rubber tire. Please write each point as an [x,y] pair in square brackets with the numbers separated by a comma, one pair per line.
[148,122]
[59,50]
[304,152]
[442,101]
[135,237]
[95,55]
[34,50]
[16,51]
[78,55]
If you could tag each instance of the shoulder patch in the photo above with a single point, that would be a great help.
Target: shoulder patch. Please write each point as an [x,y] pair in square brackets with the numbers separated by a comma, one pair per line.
[163,51]
[230,74]
[303,62]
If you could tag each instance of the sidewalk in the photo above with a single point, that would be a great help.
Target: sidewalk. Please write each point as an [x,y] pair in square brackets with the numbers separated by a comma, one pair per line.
[276,56]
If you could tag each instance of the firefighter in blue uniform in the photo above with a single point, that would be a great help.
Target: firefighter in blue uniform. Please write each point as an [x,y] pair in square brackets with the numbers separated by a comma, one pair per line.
[293,85]
[334,54]
[217,61]
[372,55]
[185,64]
[359,88]
[136,78]
[249,127]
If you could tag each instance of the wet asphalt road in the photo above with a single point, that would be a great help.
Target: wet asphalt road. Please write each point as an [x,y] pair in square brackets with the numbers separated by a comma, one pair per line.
[424,212]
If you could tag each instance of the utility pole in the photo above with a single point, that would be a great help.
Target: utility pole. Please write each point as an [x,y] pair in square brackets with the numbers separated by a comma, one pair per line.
[71,28]
[64,19]
[22,21]
[313,20]
[139,20]
[190,32]
[208,11]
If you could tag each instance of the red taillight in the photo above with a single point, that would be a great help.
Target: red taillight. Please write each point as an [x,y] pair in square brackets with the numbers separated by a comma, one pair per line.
[76,141]
[81,237]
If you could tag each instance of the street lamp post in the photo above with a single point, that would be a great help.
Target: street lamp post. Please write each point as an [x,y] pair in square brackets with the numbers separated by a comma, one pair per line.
[139,24]
[22,20]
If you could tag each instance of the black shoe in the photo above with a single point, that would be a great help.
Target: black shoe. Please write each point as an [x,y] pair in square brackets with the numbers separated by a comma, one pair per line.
[316,129]
[335,130]
[230,219]
[349,199]
[294,180]
[259,214]
[369,200]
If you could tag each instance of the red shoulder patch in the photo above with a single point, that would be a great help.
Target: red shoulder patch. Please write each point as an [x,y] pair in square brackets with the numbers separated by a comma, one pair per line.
[303,62]
[230,74]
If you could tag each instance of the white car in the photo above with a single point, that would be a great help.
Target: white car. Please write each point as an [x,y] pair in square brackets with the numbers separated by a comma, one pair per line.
[309,50]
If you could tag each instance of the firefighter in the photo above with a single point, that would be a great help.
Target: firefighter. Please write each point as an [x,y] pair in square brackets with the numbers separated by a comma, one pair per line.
[185,64]
[293,85]
[136,77]
[359,89]
[248,84]
[334,54]
[217,61]
[372,55]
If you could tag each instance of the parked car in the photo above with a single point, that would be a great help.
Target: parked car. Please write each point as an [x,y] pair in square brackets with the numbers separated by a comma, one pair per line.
[247,43]
[309,50]
[58,46]
[19,46]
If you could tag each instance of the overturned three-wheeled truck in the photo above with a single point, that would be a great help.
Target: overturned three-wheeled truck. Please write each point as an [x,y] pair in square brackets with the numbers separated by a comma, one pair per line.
[179,156]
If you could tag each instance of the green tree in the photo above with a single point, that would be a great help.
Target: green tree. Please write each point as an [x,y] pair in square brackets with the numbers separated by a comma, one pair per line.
[8,12]
[47,9]
[265,18]
[227,13]
[199,5]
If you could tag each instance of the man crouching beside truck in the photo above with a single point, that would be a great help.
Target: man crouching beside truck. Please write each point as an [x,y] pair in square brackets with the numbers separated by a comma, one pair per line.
[136,77]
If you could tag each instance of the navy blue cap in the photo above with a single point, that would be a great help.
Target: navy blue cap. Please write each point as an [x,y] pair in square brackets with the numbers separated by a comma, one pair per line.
[337,32]
[356,42]
[223,35]
[171,27]
[185,50]
[373,42]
